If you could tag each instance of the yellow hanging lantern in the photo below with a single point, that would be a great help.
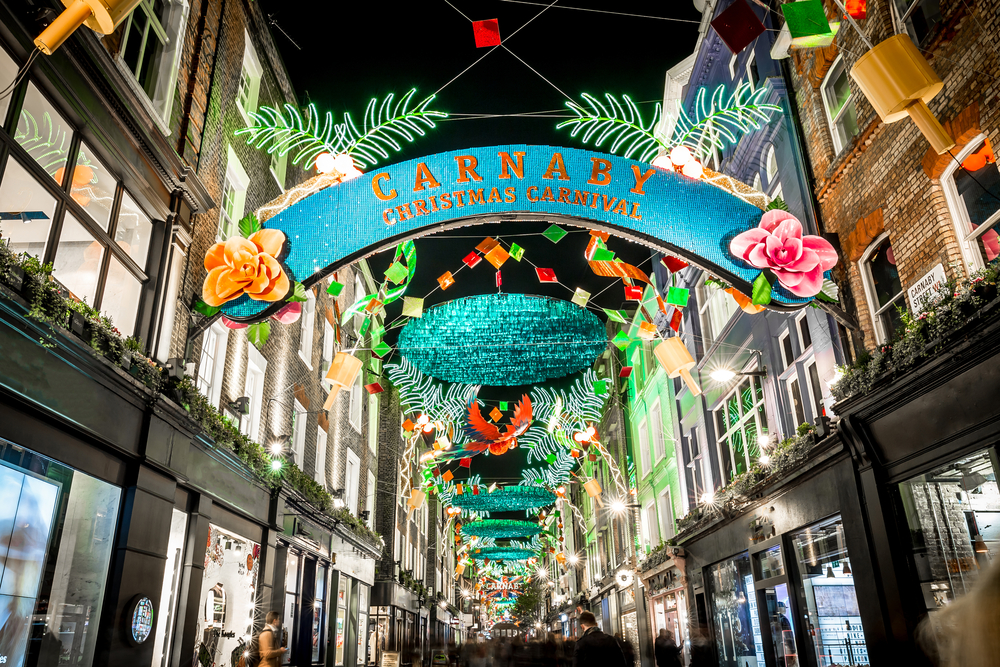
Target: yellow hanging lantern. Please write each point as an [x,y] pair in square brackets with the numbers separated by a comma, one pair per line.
[593,489]
[101,16]
[343,371]
[459,570]
[677,361]
[415,500]
[899,82]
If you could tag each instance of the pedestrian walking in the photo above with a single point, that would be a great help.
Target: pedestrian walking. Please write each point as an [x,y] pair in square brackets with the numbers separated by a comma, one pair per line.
[966,633]
[596,649]
[627,649]
[666,651]
[269,646]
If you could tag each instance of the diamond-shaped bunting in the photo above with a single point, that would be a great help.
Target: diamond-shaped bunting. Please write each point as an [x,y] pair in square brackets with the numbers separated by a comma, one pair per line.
[661,304]
[581,297]
[499,280]
[647,330]
[805,18]
[551,458]
[373,305]
[516,252]
[675,321]
[503,405]
[472,259]
[673,264]
[625,372]
[615,315]
[495,415]
[633,293]
[413,306]
[678,296]
[604,236]
[620,340]
[602,255]
[396,273]
[738,25]
[591,457]
[382,349]
[408,425]
[497,256]
[374,388]
[546,275]
[447,476]
[446,280]
[487,244]
[335,288]
[465,463]
[555,233]
[600,387]
[487,33]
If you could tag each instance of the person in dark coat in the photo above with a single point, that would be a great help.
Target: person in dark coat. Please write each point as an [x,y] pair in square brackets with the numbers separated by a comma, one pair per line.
[627,649]
[596,649]
[666,651]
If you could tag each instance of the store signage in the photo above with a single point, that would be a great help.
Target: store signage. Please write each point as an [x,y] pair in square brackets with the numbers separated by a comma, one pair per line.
[925,287]
[390,659]
[142,619]
[690,218]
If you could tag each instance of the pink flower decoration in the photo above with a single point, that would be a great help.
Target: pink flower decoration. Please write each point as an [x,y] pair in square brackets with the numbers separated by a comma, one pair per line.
[233,325]
[289,312]
[778,244]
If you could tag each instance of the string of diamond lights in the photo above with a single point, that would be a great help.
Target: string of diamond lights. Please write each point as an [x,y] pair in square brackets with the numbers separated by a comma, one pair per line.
[500,528]
[503,339]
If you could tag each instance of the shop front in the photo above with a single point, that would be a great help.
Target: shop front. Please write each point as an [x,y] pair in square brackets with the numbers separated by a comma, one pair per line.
[665,587]
[778,583]
[394,625]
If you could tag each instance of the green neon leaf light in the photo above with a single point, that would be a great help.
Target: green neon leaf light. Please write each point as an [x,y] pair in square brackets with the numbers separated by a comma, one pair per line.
[714,121]
[385,126]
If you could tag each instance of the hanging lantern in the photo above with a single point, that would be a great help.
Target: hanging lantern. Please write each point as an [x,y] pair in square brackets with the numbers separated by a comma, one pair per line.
[459,570]
[415,500]
[593,489]
[341,375]
[677,361]
[899,82]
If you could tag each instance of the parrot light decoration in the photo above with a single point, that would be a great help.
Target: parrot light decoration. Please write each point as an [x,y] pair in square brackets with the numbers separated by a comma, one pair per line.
[487,436]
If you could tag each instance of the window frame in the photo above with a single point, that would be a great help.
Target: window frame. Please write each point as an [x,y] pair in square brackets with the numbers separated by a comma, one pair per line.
[815,403]
[792,410]
[732,66]
[356,413]
[789,361]
[881,335]
[837,67]
[257,365]
[214,388]
[665,510]
[236,177]
[802,321]
[649,512]
[351,492]
[753,414]
[659,441]
[298,443]
[967,240]
[307,327]
[642,432]
[319,467]
[370,499]
[250,67]
[705,296]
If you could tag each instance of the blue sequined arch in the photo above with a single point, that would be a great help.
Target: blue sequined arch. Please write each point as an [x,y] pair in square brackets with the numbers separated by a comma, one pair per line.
[503,340]
[692,218]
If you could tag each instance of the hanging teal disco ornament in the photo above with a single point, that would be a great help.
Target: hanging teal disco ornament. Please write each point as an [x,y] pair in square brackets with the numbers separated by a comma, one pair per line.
[501,528]
[507,499]
[503,340]
[502,553]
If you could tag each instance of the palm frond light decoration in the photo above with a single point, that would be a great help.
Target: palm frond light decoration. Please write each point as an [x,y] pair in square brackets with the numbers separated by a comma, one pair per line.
[713,121]
[316,140]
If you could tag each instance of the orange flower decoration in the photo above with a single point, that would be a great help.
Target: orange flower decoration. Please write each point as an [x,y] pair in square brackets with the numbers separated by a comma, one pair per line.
[245,266]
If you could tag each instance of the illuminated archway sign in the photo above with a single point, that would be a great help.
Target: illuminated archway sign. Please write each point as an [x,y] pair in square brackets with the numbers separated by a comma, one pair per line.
[689,218]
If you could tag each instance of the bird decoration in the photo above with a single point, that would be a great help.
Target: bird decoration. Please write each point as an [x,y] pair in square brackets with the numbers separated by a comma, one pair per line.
[487,436]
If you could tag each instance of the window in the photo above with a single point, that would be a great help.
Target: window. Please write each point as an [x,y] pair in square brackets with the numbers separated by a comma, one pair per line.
[917,17]
[320,472]
[802,326]
[740,420]
[666,514]
[756,183]
[213,362]
[771,165]
[370,499]
[652,529]
[839,104]
[785,343]
[815,390]
[753,76]
[8,72]
[795,400]
[298,434]
[254,390]
[715,309]
[643,452]
[246,94]
[234,195]
[694,474]
[656,423]
[352,478]
[882,284]
[306,325]
[152,38]
[165,616]
[777,193]
[357,398]
[329,338]
[972,189]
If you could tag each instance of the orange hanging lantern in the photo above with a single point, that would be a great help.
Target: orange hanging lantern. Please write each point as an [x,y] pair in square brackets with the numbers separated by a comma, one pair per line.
[342,374]
[677,361]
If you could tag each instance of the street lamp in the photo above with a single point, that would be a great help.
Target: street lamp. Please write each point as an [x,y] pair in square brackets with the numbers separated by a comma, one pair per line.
[723,374]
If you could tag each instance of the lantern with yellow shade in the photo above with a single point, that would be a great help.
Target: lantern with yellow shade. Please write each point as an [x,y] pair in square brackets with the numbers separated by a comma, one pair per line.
[899,82]
[677,361]
[343,371]
[593,489]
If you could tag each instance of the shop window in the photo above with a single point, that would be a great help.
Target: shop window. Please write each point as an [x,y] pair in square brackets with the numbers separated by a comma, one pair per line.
[292,560]
[152,38]
[953,514]
[736,628]
[715,309]
[643,451]
[78,260]
[249,88]
[299,419]
[43,133]
[885,292]
[319,613]
[917,17]
[343,595]
[60,525]
[319,474]
[307,323]
[226,625]
[795,400]
[27,209]
[357,401]
[8,72]
[213,360]
[828,600]
[133,231]
[170,592]
[656,424]
[972,186]
[352,478]
[362,656]
[787,355]
[740,421]
[93,187]
[838,100]
[253,389]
